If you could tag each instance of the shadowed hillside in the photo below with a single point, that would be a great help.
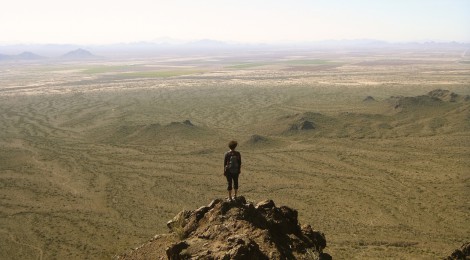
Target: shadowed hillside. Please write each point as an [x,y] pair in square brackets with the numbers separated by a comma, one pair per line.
[440,111]
[155,133]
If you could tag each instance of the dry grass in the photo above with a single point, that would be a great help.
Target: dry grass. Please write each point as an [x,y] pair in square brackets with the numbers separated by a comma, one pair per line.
[91,164]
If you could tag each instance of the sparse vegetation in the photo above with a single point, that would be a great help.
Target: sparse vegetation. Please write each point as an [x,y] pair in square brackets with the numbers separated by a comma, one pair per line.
[247,65]
[91,164]
[156,74]
[308,62]
[105,69]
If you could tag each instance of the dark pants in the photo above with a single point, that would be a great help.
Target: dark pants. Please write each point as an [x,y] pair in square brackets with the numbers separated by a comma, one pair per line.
[232,177]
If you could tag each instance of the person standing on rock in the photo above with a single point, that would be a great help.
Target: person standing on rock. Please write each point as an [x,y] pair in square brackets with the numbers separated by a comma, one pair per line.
[232,168]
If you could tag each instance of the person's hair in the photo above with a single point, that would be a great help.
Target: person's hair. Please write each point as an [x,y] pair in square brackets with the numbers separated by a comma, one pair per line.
[232,144]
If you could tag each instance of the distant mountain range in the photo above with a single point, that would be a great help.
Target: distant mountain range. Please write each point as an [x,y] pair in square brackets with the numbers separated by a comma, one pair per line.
[22,56]
[78,54]
[166,46]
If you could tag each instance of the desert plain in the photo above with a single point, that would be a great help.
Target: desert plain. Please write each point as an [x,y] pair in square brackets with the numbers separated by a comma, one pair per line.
[96,156]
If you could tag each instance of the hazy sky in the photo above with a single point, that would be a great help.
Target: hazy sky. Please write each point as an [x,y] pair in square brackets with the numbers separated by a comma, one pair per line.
[110,21]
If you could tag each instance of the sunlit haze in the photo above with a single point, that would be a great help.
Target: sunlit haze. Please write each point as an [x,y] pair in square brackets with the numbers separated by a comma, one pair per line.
[106,21]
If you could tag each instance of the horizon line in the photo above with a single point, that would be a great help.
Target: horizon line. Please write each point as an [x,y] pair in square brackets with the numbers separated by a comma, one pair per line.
[173,41]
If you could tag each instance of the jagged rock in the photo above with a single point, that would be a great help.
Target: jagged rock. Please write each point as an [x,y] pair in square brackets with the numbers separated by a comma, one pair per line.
[214,202]
[460,254]
[315,238]
[244,249]
[175,251]
[178,221]
[239,230]
[265,204]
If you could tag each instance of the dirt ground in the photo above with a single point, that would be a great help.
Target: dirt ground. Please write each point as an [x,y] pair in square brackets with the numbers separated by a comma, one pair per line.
[96,157]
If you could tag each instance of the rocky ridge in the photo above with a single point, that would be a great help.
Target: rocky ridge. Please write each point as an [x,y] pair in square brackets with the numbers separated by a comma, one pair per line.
[432,98]
[235,229]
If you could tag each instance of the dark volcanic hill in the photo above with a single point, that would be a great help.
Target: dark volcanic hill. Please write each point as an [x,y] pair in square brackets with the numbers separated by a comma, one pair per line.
[437,112]
[447,96]
[235,230]
[79,54]
[435,98]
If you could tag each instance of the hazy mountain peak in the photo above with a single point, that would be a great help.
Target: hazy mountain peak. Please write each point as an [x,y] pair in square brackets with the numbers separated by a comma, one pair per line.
[79,54]
[27,55]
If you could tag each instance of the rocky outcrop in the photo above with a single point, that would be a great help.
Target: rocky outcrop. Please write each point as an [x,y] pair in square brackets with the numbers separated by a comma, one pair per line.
[463,253]
[433,98]
[240,230]
[447,96]
[401,102]
[303,126]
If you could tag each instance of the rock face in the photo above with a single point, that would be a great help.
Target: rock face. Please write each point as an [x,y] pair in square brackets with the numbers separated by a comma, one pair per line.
[460,254]
[241,230]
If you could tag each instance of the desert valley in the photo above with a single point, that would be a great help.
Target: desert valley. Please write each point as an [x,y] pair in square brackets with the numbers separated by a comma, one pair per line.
[371,146]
